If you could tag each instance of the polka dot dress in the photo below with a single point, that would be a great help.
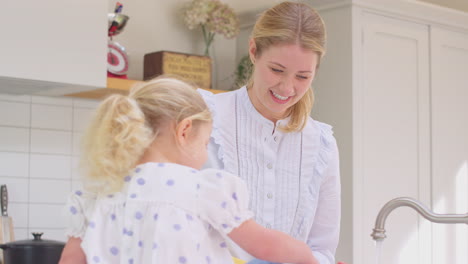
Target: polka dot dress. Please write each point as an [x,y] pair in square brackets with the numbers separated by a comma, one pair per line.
[166,213]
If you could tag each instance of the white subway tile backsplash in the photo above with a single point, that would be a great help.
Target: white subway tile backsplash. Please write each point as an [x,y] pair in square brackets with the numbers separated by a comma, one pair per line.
[85,103]
[49,191]
[14,164]
[39,153]
[17,188]
[49,100]
[14,139]
[15,114]
[22,234]
[76,143]
[82,118]
[19,214]
[51,141]
[50,166]
[51,117]
[46,216]
[76,169]
[15,98]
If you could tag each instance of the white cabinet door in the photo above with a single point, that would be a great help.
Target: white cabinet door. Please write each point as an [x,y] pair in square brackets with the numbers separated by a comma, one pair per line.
[393,134]
[54,40]
[449,99]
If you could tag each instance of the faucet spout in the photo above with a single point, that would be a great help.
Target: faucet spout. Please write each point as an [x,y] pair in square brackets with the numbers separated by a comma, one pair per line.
[379,229]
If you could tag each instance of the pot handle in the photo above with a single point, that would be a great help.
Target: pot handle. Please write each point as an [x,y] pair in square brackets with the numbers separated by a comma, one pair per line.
[4,246]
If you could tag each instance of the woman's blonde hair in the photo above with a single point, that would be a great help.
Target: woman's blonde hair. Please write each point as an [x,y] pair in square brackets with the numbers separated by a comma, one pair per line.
[291,23]
[124,126]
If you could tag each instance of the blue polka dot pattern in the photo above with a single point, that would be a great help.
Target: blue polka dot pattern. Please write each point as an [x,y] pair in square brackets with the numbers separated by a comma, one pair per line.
[225,225]
[130,261]
[127,178]
[141,181]
[155,245]
[208,259]
[127,232]
[170,182]
[137,170]
[182,259]
[114,251]
[138,215]
[223,205]
[219,175]
[177,227]
[155,217]
[223,245]
[234,196]
[79,193]
[73,210]
[113,217]
[160,164]
[96,259]
[133,195]
[189,217]
[140,243]
[92,224]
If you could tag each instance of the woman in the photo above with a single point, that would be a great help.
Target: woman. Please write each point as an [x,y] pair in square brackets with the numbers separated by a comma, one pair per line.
[263,132]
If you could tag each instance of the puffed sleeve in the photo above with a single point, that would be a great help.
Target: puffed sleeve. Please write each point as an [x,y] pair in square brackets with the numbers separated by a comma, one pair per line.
[76,212]
[325,231]
[223,200]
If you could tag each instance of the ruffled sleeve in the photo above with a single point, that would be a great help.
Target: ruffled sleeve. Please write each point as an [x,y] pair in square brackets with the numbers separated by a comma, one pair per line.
[324,233]
[223,200]
[76,211]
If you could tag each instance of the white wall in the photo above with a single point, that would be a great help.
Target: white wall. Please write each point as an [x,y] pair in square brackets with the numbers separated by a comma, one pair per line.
[39,149]
[158,25]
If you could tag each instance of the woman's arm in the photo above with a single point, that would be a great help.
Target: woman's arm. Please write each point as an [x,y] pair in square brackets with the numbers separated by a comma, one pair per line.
[271,245]
[72,253]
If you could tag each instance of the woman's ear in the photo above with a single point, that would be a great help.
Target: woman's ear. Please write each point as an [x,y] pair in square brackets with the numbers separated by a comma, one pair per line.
[183,131]
[252,50]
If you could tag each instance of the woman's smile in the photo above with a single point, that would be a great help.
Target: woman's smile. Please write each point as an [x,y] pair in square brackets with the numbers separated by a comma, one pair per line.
[280,99]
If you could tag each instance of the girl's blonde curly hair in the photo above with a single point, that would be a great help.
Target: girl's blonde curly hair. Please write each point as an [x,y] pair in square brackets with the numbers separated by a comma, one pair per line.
[124,126]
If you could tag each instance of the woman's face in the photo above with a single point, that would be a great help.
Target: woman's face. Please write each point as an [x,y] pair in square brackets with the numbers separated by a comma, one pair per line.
[282,75]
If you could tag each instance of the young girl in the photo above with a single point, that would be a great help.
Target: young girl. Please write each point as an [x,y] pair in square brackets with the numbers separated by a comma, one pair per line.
[147,201]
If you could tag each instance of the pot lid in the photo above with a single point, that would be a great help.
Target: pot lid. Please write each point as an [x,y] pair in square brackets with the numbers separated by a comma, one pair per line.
[36,242]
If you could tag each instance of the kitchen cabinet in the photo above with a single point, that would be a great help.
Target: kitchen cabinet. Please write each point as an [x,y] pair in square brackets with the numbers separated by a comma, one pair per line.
[449,141]
[394,86]
[53,45]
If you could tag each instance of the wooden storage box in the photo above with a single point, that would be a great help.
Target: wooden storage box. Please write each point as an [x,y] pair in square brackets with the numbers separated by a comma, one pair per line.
[192,68]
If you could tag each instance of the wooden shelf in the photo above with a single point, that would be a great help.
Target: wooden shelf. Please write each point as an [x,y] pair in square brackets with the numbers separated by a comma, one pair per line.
[116,85]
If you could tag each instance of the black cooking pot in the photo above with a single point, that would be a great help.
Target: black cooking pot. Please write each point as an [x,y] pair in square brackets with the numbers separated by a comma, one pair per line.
[36,251]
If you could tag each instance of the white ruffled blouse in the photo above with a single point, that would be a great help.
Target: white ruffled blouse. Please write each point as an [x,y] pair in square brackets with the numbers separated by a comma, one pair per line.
[166,213]
[293,178]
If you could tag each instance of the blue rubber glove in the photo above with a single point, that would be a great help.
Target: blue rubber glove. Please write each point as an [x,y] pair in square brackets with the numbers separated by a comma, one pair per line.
[257,261]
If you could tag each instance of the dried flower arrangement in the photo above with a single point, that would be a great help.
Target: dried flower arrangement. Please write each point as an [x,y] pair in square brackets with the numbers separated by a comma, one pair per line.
[214,17]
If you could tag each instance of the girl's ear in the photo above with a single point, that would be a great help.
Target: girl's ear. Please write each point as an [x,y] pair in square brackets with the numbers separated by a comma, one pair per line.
[252,50]
[183,131]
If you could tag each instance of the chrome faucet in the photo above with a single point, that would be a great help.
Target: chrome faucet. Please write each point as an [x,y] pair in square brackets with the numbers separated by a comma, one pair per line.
[379,231]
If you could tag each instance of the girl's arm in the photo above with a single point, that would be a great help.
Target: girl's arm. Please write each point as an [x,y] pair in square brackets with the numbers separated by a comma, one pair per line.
[72,253]
[271,245]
